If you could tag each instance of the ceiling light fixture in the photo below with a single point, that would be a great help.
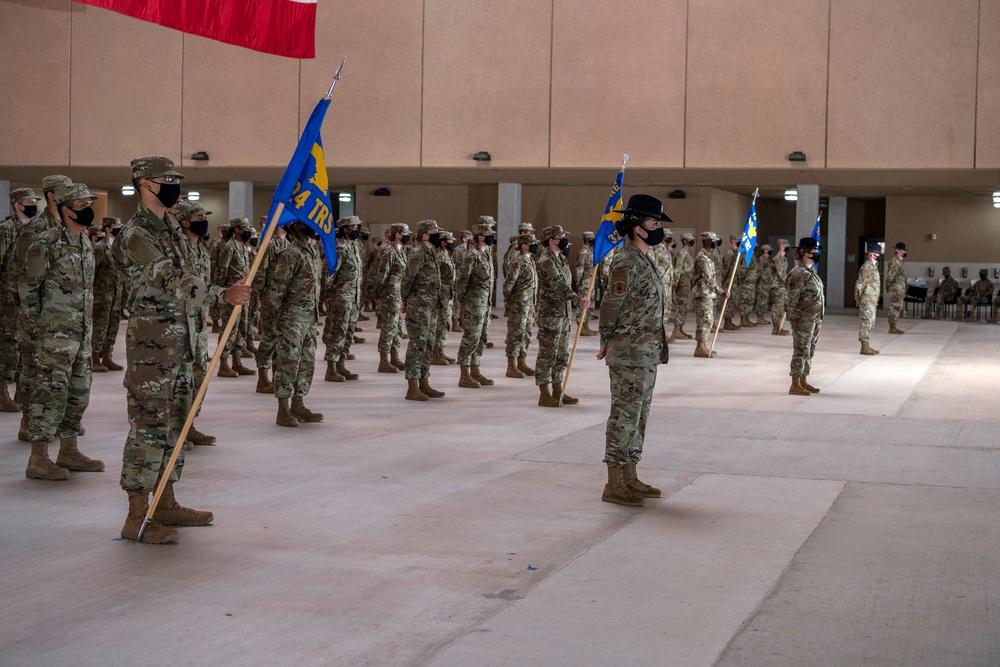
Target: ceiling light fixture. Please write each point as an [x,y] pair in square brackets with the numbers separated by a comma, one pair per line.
[194,195]
[791,195]
[128,190]
[345,197]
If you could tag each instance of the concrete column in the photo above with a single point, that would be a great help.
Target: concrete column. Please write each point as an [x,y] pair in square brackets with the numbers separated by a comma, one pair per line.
[806,210]
[508,218]
[4,199]
[241,200]
[835,255]
[346,207]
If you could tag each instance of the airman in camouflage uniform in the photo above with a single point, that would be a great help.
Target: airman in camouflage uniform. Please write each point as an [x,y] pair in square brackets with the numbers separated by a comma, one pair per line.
[192,218]
[24,206]
[56,291]
[895,286]
[779,289]
[264,356]
[633,344]
[423,295]
[729,263]
[108,297]
[343,305]
[234,263]
[27,364]
[664,261]
[214,251]
[806,305]
[458,257]
[292,298]
[556,298]
[866,293]
[388,275]
[473,287]
[165,300]
[446,245]
[765,275]
[945,293]
[683,274]
[584,271]
[748,290]
[520,290]
[981,290]
[705,289]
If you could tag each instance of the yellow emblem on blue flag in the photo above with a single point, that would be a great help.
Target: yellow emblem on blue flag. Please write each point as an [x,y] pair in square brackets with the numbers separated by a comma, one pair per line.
[607,237]
[749,239]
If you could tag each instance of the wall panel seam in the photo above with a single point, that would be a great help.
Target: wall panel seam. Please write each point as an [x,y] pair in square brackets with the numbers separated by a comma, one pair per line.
[975,103]
[826,106]
[687,49]
[552,42]
[423,69]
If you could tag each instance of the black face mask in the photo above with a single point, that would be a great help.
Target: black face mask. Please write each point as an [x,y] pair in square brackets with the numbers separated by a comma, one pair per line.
[450,246]
[533,248]
[115,231]
[716,244]
[654,236]
[405,239]
[169,193]
[435,239]
[590,242]
[673,246]
[365,237]
[565,251]
[488,240]
[197,227]
[31,211]
[254,241]
[815,257]
[246,236]
[354,235]
[564,245]
[669,240]
[84,218]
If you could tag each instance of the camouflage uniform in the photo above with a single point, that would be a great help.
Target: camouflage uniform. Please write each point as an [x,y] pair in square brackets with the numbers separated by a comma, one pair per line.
[584,272]
[473,288]
[683,274]
[765,275]
[520,291]
[388,274]
[805,307]
[343,294]
[895,288]
[9,231]
[234,263]
[705,289]
[748,288]
[945,293]
[866,293]
[269,323]
[555,299]
[779,288]
[292,298]
[458,258]
[108,295]
[447,297]
[422,291]
[664,262]
[214,252]
[199,263]
[981,290]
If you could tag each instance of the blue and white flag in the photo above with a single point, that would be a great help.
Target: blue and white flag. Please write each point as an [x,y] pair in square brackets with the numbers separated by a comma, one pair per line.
[608,238]
[749,239]
[815,233]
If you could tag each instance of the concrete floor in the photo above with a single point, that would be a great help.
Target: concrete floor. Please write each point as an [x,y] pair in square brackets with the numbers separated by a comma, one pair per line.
[855,527]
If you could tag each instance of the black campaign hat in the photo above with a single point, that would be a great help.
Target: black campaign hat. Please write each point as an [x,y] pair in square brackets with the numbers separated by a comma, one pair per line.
[874,246]
[809,243]
[901,246]
[646,206]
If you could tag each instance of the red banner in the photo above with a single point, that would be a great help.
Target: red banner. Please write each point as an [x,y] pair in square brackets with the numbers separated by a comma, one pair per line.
[282,27]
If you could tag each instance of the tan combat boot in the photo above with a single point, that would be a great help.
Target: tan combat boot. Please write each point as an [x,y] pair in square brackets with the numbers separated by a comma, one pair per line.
[239,368]
[285,417]
[728,325]
[302,413]
[456,327]
[774,329]
[155,533]
[761,320]
[479,377]
[72,459]
[413,392]
[7,404]
[438,358]
[264,385]
[745,322]
[95,364]
[522,365]
[545,397]
[333,376]
[683,334]
[808,387]
[348,375]
[893,329]
[565,399]
[677,334]
[428,390]
[867,349]
[196,437]
[703,352]
[40,466]
[384,365]
[797,389]
[22,430]
[109,363]
[445,356]
[396,361]
[587,331]
[171,513]
[215,326]
[225,371]
[512,370]
[629,476]
[615,491]
[358,339]
[465,379]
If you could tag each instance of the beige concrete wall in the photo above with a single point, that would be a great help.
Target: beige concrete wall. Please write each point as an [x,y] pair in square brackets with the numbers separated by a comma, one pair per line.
[988,104]
[966,228]
[448,204]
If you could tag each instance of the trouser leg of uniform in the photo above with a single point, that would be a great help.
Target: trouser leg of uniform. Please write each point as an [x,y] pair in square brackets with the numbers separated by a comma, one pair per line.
[761,302]
[61,395]
[747,293]
[545,360]
[111,332]
[704,310]
[518,329]
[443,326]
[475,326]
[866,318]
[682,300]
[27,372]
[804,335]
[9,355]
[631,393]
[778,304]
[100,321]
[421,324]
[265,349]
[235,340]
[895,306]
[391,333]
[158,404]
[560,351]
[306,361]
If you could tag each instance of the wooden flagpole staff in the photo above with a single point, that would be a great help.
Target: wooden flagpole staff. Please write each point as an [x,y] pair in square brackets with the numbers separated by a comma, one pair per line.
[576,339]
[725,301]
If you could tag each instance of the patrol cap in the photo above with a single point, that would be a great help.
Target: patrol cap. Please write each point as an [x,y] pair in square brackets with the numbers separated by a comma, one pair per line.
[707,236]
[783,242]
[527,237]
[72,192]
[734,237]
[22,193]
[348,221]
[151,166]
[487,220]
[589,236]
[50,183]
[188,209]
[427,227]
[667,233]
[466,234]
[946,270]
[235,223]
[399,228]
[687,236]
[874,247]
[446,235]
[482,229]
[525,227]
[365,230]
[111,222]
[551,232]
[766,247]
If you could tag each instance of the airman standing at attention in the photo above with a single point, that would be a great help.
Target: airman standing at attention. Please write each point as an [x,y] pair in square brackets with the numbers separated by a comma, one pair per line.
[234,263]
[214,250]
[473,287]
[683,274]
[705,289]
[806,305]
[56,291]
[779,289]
[343,305]
[765,275]
[165,300]
[24,207]
[446,245]
[584,270]
[423,295]
[108,299]
[895,285]
[866,293]
[728,264]
[264,356]
[747,276]
[664,261]
[458,257]
[388,274]
[520,290]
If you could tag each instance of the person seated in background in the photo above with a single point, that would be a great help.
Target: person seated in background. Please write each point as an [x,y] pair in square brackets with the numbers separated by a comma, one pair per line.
[981,289]
[944,293]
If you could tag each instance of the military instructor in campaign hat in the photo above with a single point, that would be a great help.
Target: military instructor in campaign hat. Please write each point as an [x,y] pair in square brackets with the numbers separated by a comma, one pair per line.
[161,337]
[633,344]
[806,305]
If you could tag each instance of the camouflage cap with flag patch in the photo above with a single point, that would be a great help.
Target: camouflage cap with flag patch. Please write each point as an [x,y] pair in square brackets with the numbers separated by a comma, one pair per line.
[188,209]
[527,238]
[151,166]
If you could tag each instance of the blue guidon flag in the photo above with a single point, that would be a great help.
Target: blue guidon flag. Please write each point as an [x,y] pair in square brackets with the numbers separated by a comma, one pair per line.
[815,233]
[608,238]
[749,239]
[304,188]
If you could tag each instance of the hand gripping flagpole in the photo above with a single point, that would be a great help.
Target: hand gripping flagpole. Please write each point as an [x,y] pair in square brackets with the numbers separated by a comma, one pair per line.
[729,287]
[214,363]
